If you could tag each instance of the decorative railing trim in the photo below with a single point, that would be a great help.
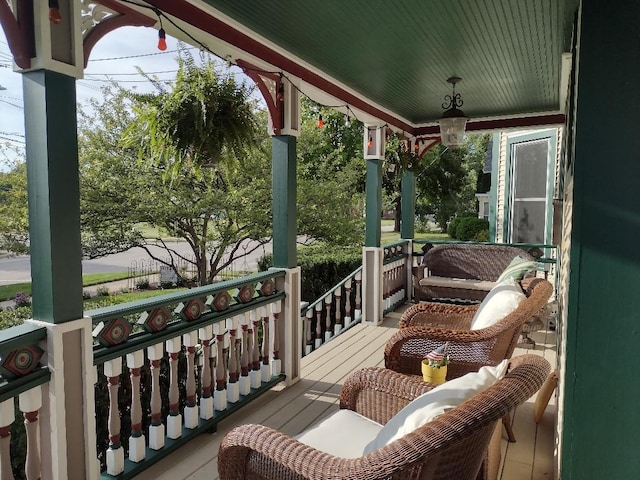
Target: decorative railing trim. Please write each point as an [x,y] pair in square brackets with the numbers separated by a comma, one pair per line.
[310,306]
[14,387]
[142,340]
[20,336]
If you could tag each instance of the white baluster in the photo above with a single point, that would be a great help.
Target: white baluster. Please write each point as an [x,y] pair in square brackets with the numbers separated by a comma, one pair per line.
[357,314]
[307,329]
[174,420]
[337,293]
[115,453]
[206,398]
[318,337]
[265,368]
[7,417]
[137,445]
[30,403]
[327,325]
[246,346]
[156,429]
[191,411]
[233,387]
[347,303]
[276,365]
[220,393]
[255,374]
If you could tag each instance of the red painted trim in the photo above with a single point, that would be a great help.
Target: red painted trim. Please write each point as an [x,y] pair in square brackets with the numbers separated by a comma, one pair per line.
[19,31]
[422,151]
[199,19]
[501,124]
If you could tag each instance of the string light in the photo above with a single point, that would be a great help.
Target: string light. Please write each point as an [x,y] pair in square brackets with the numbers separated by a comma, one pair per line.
[370,144]
[54,12]
[347,122]
[162,40]
[280,95]
[320,121]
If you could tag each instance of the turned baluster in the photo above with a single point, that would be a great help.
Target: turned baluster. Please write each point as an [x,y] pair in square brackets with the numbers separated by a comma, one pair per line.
[220,394]
[206,395]
[347,303]
[255,350]
[174,420]
[137,445]
[337,293]
[318,324]
[156,429]
[265,369]
[233,387]
[30,403]
[358,301]
[246,347]
[115,452]
[276,366]
[327,325]
[307,331]
[191,413]
[7,416]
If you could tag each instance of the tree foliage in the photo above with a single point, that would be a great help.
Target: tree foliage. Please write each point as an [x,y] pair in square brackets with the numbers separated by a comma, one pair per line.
[14,227]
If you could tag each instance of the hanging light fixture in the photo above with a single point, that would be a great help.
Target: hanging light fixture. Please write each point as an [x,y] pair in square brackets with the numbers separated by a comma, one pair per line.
[453,120]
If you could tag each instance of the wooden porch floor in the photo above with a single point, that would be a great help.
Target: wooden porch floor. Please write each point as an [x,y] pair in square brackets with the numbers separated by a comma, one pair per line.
[316,394]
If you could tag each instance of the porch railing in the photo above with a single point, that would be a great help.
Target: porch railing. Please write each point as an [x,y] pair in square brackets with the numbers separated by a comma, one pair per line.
[23,379]
[332,313]
[394,274]
[171,367]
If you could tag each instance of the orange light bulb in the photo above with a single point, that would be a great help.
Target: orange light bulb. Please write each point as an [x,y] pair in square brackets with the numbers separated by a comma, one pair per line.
[320,122]
[162,40]
[370,144]
[54,16]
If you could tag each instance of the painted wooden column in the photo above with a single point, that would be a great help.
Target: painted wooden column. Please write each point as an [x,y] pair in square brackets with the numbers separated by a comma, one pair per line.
[408,205]
[372,256]
[54,229]
[600,384]
[284,200]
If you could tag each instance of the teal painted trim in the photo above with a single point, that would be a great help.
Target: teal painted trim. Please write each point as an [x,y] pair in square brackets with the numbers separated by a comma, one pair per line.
[551,135]
[54,195]
[132,469]
[389,260]
[374,204]
[13,388]
[284,186]
[503,244]
[147,304]
[177,328]
[408,205]
[399,243]
[493,195]
[20,336]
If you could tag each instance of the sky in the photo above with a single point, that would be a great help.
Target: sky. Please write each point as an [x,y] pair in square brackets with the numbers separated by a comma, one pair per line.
[115,57]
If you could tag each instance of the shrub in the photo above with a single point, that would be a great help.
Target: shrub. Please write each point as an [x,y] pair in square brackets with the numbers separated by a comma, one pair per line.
[142,283]
[86,295]
[22,300]
[452,227]
[102,291]
[14,316]
[469,227]
[322,266]
[482,236]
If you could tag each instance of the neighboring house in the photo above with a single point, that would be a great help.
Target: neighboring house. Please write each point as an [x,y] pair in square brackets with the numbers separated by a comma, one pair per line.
[524,181]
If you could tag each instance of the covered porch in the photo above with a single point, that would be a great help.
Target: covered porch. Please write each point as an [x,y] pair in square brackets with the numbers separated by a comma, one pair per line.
[547,64]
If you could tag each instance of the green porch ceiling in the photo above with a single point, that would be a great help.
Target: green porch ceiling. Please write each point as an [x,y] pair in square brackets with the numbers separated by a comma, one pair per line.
[399,54]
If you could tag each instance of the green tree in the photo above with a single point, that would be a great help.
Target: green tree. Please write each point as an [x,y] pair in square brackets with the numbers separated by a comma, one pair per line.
[14,225]
[447,179]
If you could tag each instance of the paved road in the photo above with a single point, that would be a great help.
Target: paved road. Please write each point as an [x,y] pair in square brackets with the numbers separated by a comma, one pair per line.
[18,269]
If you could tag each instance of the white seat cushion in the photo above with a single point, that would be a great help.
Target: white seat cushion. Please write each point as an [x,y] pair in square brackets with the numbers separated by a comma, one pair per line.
[344,434]
[503,299]
[435,402]
[467,283]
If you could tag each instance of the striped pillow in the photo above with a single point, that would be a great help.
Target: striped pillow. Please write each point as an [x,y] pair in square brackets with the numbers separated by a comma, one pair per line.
[517,269]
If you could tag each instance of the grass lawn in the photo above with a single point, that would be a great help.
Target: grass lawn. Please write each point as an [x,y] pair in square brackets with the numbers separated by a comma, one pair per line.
[8,292]
[99,302]
[390,237]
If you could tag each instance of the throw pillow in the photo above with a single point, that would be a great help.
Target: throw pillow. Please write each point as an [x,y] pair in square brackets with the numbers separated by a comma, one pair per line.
[517,269]
[503,299]
[435,402]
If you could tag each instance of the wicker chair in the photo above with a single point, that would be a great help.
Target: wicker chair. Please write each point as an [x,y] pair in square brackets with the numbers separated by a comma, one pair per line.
[483,263]
[450,447]
[426,326]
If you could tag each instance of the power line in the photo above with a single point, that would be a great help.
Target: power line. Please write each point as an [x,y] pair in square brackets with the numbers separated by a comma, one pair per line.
[139,56]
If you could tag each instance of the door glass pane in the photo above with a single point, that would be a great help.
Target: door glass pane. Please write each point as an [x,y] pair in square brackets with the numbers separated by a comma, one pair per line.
[528,222]
[530,168]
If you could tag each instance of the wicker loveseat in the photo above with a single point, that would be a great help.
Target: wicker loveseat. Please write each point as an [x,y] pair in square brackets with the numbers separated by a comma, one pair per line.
[450,447]
[462,271]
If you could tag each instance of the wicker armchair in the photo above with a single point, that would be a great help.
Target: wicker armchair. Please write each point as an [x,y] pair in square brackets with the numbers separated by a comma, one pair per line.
[451,447]
[452,266]
[426,326]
